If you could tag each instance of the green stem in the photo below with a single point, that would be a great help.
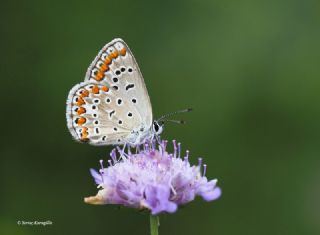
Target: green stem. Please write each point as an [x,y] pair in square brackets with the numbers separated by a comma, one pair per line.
[154,224]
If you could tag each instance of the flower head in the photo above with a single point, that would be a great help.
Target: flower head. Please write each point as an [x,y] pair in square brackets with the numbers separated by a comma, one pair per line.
[152,179]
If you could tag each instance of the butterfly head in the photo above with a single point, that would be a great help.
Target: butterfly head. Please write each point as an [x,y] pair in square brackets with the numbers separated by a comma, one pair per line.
[157,127]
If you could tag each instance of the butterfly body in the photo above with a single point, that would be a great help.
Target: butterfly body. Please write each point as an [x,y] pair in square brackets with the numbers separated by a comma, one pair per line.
[112,105]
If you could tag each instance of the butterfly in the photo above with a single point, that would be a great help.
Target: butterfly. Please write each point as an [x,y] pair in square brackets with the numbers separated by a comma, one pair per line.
[112,105]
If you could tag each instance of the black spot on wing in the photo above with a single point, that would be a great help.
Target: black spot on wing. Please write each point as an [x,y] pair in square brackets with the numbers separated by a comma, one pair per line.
[129,86]
[111,113]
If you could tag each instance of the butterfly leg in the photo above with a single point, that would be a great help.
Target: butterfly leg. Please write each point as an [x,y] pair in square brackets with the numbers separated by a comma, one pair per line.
[153,143]
[122,154]
[158,139]
[137,148]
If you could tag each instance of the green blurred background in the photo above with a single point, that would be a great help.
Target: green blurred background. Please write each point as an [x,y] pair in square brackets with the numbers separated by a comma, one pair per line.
[250,70]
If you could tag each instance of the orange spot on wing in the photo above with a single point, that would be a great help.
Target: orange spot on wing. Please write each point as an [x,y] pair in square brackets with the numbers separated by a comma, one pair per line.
[105,88]
[108,60]
[84,93]
[80,101]
[104,68]
[95,90]
[81,120]
[123,51]
[114,54]
[99,76]
[84,136]
[81,110]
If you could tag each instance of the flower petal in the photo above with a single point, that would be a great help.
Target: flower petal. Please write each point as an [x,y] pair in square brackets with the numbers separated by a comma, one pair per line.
[157,199]
[211,195]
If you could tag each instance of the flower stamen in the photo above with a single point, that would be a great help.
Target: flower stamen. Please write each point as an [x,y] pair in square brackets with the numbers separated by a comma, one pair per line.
[174,148]
[179,150]
[204,169]
[101,164]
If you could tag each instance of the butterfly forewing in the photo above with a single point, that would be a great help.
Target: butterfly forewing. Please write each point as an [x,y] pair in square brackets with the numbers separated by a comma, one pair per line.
[116,66]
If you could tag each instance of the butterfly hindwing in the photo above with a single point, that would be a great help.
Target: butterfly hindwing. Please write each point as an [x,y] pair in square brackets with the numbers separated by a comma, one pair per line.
[95,115]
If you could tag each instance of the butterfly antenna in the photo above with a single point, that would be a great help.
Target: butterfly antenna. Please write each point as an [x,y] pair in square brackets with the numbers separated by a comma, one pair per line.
[174,113]
[174,121]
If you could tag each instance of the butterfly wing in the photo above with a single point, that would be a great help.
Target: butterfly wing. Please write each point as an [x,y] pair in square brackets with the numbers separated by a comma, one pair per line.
[96,115]
[112,102]
[116,66]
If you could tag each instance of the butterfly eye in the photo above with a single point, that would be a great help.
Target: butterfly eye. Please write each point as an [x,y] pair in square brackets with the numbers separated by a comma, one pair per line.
[118,72]
[156,127]
[130,70]
[115,79]
[123,69]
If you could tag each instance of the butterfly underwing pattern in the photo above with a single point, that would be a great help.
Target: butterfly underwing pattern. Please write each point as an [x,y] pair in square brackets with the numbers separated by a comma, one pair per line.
[112,105]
